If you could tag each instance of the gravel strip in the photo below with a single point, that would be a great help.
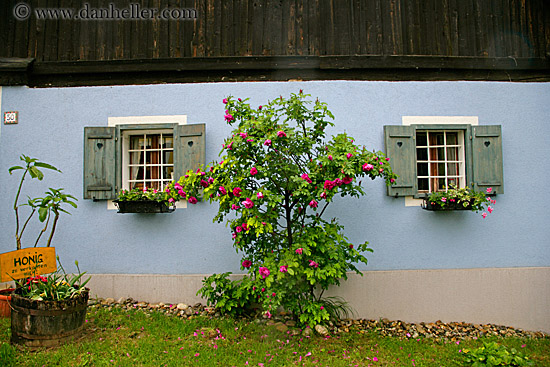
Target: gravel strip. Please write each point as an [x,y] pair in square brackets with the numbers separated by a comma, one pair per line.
[451,331]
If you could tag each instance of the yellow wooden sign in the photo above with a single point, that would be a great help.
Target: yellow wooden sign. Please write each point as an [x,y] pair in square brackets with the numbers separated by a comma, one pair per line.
[27,262]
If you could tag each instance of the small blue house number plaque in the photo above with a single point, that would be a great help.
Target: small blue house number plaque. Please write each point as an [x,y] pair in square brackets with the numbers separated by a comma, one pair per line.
[10,117]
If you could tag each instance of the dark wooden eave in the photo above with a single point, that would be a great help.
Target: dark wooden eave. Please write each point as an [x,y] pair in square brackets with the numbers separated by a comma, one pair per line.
[270,68]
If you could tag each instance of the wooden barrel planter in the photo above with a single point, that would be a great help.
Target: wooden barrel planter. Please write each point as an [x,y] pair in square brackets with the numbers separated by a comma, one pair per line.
[47,323]
[5,298]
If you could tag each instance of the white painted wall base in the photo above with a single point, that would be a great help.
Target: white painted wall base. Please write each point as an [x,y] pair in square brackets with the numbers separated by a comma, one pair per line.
[518,297]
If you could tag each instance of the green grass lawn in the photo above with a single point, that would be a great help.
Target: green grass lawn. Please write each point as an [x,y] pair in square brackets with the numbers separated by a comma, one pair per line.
[135,338]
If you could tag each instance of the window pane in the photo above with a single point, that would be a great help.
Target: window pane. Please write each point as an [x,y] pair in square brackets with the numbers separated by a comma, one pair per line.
[421,139]
[168,157]
[441,169]
[422,154]
[168,142]
[136,142]
[440,184]
[452,169]
[453,182]
[168,172]
[452,138]
[423,184]
[422,169]
[433,169]
[436,138]
[136,158]
[437,154]
[452,154]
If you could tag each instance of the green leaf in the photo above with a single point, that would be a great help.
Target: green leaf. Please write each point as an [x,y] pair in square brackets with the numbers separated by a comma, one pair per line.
[46,165]
[11,169]
[36,173]
[42,213]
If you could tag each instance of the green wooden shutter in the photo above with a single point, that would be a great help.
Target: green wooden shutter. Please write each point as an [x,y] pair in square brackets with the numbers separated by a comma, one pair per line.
[487,158]
[189,148]
[99,163]
[401,148]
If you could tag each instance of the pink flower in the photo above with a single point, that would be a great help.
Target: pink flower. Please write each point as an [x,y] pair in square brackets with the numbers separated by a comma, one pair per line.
[250,140]
[222,190]
[322,308]
[181,193]
[392,180]
[388,159]
[444,199]
[381,170]
[493,202]
[260,195]
[235,207]
[490,209]
[381,163]
[263,289]
[273,294]
[489,189]
[323,195]
[283,268]
[375,359]
[347,180]
[229,147]
[192,200]
[304,176]
[228,117]
[253,171]
[243,135]
[349,155]
[239,229]
[233,235]
[268,314]
[267,142]
[329,185]
[484,215]
[281,134]
[313,204]
[264,272]
[330,158]
[313,263]
[248,203]
[367,167]
[210,179]
[237,191]
[171,200]
[247,264]
[260,107]
[245,227]
[338,182]
[204,183]
[299,251]
[224,101]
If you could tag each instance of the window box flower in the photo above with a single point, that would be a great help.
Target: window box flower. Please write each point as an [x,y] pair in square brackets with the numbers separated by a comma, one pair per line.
[460,199]
[147,200]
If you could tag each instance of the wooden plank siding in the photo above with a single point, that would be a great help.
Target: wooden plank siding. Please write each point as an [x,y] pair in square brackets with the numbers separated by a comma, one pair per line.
[483,28]
[234,40]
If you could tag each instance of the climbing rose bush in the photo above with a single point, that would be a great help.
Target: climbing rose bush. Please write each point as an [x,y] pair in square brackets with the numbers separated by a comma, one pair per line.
[277,175]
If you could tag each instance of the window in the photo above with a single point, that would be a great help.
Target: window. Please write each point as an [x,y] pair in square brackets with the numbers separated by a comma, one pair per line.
[430,157]
[127,156]
[439,160]
[150,159]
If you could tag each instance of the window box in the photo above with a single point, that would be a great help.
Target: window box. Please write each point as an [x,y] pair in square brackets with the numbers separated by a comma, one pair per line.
[428,205]
[143,206]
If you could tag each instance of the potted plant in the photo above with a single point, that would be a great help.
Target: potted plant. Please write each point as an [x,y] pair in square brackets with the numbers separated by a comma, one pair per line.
[49,310]
[147,200]
[465,198]
[45,311]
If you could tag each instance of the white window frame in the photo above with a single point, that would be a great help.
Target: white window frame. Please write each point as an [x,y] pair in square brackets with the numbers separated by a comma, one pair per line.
[126,153]
[436,120]
[461,161]
[134,120]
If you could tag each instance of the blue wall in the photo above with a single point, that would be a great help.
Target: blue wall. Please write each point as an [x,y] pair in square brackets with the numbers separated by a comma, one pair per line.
[516,234]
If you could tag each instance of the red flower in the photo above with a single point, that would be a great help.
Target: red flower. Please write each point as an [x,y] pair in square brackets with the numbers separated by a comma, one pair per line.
[247,264]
